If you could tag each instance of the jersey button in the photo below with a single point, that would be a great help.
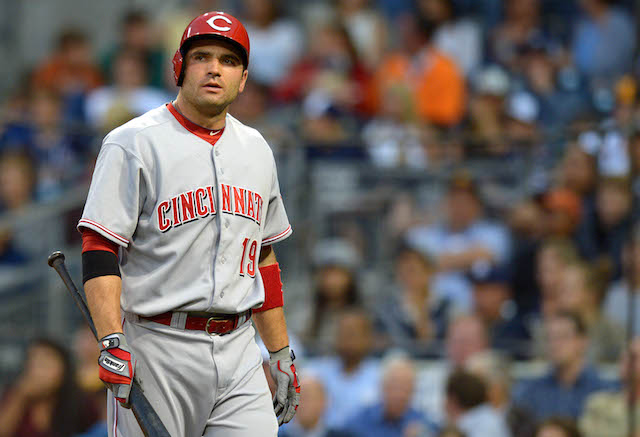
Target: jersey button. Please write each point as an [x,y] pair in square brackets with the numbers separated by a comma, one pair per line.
[223,260]
[222,294]
[217,152]
[221,171]
[226,223]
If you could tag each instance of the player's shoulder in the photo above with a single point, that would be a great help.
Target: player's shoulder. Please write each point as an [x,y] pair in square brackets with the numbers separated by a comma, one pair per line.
[250,135]
[143,125]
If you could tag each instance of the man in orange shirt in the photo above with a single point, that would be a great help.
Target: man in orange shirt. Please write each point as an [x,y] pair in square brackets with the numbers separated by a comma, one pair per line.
[434,80]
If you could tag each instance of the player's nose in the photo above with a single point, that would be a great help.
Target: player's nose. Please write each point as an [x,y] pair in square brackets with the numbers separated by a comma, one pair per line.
[214,67]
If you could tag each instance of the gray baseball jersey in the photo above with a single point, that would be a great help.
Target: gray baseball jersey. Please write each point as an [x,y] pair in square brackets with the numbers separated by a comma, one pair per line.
[190,218]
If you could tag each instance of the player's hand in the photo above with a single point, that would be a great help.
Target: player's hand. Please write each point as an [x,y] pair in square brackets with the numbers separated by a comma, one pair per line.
[117,366]
[283,372]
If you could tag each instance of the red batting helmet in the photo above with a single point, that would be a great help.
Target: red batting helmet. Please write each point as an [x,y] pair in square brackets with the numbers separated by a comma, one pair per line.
[211,24]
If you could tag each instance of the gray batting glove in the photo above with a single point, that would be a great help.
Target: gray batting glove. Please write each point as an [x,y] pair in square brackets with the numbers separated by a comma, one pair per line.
[117,366]
[283,372]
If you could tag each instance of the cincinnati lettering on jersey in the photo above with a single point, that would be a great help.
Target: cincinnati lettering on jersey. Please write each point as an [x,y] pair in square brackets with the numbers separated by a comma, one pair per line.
[201,202]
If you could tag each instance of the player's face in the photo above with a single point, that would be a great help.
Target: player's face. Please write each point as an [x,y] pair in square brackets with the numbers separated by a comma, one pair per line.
[214,76]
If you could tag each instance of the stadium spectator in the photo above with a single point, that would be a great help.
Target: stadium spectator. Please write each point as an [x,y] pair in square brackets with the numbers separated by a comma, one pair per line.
[563,213]
[70,69]
[393,416]
[582,293]
[558,427]
[564,388]
[308,421]
[520,25]
[44,400]
[603,41]
[560,101]
[578,172]
[495,371]
[276,41]
[458,37]
[462,240]
[617,300]
[527,230]
[335,289]
[466,336]
[86,353]
[493,304]
[17,180]
[613,221]
[137,34]
[367,29]
[57,152]
[467,407]
[486,118]
[606,413]
[352,376]
[329,75]
[552,257]
[411,315]
[128,92]
[436,84]
[393,138]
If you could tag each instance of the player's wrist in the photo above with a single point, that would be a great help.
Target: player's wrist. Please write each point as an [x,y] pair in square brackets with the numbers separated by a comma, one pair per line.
[281,354]
[113,341]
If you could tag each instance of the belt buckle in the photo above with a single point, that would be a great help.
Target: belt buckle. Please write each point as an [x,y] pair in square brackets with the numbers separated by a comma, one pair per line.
[213,319]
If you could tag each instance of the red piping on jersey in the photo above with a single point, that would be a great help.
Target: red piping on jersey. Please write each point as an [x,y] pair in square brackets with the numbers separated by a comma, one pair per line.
[210,136]
[86,222]
[92,240]
[276,237]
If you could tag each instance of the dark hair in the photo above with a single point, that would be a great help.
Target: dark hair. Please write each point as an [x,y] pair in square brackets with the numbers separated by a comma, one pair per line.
[67,418]
[467,389]
[578,322]
[352,299]
[70,37]
[568,426]
[134,17]
[406,250]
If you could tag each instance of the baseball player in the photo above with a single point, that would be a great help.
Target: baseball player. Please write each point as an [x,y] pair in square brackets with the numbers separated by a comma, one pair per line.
[177,230]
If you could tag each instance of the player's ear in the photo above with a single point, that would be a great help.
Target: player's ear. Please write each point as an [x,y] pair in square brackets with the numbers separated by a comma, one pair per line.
[243,81]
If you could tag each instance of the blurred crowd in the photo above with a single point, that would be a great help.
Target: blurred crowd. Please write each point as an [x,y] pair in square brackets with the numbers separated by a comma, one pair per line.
[481,278]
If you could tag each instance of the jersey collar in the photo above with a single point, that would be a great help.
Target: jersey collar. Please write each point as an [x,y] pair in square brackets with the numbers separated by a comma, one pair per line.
[210,136]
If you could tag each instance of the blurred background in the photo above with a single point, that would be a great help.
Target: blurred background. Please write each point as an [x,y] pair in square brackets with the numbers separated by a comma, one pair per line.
[463,180]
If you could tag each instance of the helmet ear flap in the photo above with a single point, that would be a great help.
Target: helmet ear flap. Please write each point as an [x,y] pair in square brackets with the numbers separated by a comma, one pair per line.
[178,60]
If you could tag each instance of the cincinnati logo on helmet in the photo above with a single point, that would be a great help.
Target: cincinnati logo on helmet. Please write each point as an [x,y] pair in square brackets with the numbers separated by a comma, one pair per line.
[212,22]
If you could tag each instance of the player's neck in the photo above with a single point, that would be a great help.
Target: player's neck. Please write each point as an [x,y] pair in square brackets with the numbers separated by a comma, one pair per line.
[215,122]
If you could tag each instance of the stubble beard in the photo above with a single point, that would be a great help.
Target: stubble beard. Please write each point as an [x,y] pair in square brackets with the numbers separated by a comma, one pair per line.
[209,108]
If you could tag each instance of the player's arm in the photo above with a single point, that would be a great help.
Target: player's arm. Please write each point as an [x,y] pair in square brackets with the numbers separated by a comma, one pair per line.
[102,286]
[103,300]
[271,323]
[272,327]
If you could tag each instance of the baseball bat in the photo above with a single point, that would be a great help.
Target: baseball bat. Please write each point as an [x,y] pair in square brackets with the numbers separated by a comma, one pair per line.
[146,416]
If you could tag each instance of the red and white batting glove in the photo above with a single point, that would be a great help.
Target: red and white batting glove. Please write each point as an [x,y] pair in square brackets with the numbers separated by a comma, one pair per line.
[283,372]
[117,366]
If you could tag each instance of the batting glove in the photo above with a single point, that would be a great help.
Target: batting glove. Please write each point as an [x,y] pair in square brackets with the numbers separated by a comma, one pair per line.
[117,366]
[283,372]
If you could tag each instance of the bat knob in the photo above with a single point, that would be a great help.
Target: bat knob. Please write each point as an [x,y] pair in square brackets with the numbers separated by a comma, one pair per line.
[55,256]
